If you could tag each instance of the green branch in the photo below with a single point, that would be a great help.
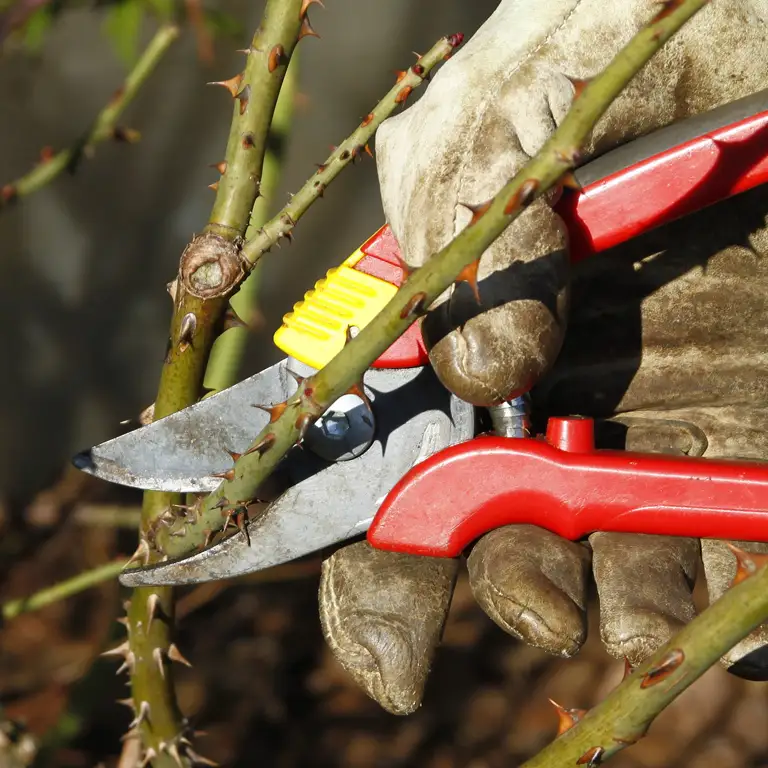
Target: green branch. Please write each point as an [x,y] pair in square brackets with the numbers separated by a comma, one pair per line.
[627,713]
[104,127]
[558,157]
[348,151]
[62,590]
[200,296]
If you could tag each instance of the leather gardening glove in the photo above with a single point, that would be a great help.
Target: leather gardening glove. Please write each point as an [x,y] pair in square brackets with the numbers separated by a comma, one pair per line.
[675,345]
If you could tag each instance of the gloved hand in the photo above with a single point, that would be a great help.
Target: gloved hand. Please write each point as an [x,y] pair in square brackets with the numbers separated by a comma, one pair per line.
[676,349]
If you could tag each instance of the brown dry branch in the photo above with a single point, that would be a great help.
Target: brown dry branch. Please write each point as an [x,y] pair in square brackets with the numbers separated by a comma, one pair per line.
[344,372]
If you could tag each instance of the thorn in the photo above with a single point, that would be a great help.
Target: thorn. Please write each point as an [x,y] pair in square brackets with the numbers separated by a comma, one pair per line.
[455,40]
[214,186]
[220,167]
[195,758]
[187,331]
[263,445]
[143,715]
[172,287]
[46,155]
[747,563]
[666,667]
[126,135]
[128,735]
[306,29]
[234,455]
[667,8]
[232,85]
[569,180]
[578,85]
[141,554]
[403,94]
[359,390]
[477,210]
[153,604]
[303,423]
[401,73]
[367,120]
[125,703]
[274,411]
[208,536]
[157,655]
[469,275]
[628,670]
[523,197]
[415,305]
[243,97]
[418,70]
[121,650]
[123,620]
[295,376]
[241,518]
[305,6]
[173,751]
[349,333]
[128,664]
[592,757]
[174,654]
[320,189]
[567,718]
[8,193]
[276,56]
[149,756]
[222,503]
[229,475]
[320,167]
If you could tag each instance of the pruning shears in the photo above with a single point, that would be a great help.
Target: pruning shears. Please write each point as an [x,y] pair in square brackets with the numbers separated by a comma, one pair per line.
[406,465]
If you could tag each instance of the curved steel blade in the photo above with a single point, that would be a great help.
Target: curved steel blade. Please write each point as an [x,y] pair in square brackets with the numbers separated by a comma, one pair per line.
[180,452]
[415,417]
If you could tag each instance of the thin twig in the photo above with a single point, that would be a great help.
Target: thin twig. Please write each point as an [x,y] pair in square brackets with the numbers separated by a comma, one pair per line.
[105,126]
[62,590]
[458,260]
[626,714]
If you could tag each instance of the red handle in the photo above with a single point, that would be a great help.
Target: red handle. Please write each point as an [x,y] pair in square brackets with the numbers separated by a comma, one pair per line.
[447,501]
[668,183]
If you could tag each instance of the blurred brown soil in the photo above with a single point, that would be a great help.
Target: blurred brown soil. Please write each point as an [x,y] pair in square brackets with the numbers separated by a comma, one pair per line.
[267,692]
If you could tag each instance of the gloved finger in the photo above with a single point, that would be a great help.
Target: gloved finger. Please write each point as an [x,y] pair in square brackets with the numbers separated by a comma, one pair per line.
[533,584]
[644,584]
[489,351]
[748,659]
[382,615]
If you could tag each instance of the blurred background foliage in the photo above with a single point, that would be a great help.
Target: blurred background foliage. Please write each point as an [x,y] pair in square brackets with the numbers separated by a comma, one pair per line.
[83,268]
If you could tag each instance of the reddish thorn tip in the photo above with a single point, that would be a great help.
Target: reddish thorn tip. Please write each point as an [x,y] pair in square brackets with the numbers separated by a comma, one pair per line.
[403,94]
[367,120]
[306,29]
[232,85]
[592,757]
[263,445]
[523,197]
[415,305]
[469,275]
[666,667]
[456,39]
[566,718]
[276,57]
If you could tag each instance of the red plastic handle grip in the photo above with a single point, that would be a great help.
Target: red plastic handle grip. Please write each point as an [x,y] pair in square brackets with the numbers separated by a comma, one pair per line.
[447,501]
[682,169]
